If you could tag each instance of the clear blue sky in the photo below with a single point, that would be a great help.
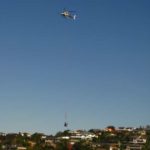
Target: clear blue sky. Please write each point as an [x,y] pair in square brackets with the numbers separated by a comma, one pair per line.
[97,68]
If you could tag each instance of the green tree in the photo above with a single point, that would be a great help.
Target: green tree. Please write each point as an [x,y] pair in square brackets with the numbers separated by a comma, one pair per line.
[147,145]
[62,145]
[82,145]
[65,133]
[48,147]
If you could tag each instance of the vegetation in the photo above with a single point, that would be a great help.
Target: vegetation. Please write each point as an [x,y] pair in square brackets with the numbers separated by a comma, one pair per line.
[61,141]
[82,145]
[147,145]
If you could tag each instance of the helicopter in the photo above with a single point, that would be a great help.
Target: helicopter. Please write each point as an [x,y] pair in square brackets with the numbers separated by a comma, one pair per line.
[68,14]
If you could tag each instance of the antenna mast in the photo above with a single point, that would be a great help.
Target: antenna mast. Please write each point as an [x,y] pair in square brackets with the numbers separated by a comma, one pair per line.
[66,122]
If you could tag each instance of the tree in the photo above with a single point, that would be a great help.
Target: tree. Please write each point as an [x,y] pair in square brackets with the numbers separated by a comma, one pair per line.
[62,145]
[82,145]
[147,145]
[65,133]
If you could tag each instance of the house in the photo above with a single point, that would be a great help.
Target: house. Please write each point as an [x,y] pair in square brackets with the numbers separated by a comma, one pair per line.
[110,129]
[134,147]
[21,148]
[139,140]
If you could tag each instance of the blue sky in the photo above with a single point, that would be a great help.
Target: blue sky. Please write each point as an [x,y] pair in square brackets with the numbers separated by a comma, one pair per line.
[97,68]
